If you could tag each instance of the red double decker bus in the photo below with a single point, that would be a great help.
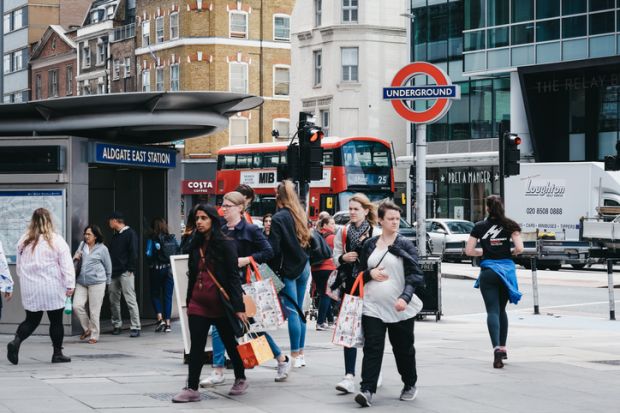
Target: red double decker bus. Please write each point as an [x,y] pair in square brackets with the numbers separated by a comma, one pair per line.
[350,165]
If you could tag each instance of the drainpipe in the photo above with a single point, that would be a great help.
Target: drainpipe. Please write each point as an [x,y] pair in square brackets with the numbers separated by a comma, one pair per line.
[260,77]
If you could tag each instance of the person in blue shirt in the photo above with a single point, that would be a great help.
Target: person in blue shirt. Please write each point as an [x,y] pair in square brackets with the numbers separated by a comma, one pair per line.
[498,278]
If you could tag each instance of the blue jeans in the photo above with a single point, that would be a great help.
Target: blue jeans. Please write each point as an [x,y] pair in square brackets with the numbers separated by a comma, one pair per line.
[219,358]
[296,289]
[162,281]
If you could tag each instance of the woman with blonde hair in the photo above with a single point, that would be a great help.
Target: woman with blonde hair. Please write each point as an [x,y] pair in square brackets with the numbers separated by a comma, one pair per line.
[47,277]
[290,239]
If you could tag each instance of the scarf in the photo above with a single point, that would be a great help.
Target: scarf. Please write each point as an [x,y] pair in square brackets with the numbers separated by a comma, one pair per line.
[354,233]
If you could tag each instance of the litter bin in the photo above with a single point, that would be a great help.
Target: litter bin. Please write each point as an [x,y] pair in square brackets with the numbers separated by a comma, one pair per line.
[431,293]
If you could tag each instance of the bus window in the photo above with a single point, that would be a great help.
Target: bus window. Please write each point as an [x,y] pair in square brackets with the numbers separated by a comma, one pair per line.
[282,157]
[244,161]
[328,158]
[257,162]
[270,160]
[366,154]
[229,162]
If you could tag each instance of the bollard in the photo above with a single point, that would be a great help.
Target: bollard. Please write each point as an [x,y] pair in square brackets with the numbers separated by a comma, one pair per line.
[535,285]
[610,287]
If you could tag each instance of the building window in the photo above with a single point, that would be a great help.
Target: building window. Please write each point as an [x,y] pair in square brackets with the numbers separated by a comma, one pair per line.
[15,20]
[101,87]
[18,97]
[349,57]
[146,80]
[37,87]
[52,81]
[238,130]
[7,63]
[283,126]
[349,11]
[110,11]
[18,19]
[281,27]
[318,11]
[85,55]
[238,25]
[15,61]
[174,77]
[281,81]
[8,98]
[174,25]
[238,75]
[69,81]
[146,33]
[127,67]
[318,66]
[102,52]
[325,121]
[18,60]
[117,69]
[159,79]
[159,30]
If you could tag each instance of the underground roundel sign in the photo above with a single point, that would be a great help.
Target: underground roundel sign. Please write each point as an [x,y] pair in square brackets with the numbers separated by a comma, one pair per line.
[442,92]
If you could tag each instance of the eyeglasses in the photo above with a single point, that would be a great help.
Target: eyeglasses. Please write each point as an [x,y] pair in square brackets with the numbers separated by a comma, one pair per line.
[226,206]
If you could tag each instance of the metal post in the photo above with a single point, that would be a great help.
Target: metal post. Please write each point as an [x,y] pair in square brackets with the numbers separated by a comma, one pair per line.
[610,287]
[535,285]
[420,188]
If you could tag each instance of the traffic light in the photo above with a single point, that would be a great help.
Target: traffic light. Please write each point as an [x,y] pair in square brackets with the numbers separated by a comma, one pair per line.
[310,149]
[512,154]
[612,163]
[291,169]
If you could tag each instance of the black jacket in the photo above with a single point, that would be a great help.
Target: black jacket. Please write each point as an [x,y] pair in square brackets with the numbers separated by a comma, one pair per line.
[123,249]
[289,258]
[223,255]
[402,247]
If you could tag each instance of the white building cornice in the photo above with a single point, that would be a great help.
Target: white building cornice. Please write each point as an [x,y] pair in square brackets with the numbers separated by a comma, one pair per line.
[209,41]
[94,29]
[53,60]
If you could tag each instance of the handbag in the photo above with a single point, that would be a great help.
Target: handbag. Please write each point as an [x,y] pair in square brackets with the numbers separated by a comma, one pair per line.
[77,262]
[319,249]
[333,294]
[254,351]
[269,314]
[348,331]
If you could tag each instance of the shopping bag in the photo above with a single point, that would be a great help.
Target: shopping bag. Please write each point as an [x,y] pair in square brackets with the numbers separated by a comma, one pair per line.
[269,314]
[254,351]
[333,294]
[348,331]
[266,273]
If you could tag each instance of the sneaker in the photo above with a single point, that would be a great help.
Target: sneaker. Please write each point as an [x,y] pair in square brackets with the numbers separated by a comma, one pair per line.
[498,356]
[409,393]
[347,385]
[168,328]
[300,361]
[239,388]
[159,326]
[322,327]
[215,379]
[186,395]
[117,330]
[134,333]
[283,370]
[364,398]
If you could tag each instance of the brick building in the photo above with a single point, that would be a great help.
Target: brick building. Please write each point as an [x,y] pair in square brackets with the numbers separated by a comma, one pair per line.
[219,45]
[53,64]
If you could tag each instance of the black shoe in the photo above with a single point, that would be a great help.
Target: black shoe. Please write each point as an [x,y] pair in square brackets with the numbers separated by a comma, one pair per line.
[117,331]
[498,356]
[58,357]
[12,348]
[364,398]
[134,333]
[160,326]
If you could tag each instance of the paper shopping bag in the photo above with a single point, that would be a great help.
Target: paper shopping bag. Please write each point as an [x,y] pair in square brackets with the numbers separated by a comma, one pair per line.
[269,314]
[255,352]
[348,331]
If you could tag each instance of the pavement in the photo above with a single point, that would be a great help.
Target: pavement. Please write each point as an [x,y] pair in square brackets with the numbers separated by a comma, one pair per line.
[556,363]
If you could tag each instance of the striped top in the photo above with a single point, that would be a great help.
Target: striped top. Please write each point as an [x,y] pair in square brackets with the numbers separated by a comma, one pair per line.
[45,274]
[6,281]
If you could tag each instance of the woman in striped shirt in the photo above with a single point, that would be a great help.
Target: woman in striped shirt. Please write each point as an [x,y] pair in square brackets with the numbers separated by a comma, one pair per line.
[47,276]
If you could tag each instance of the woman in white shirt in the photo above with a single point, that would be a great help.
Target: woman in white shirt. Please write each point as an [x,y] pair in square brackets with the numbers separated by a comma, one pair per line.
[6,281]
[47,277]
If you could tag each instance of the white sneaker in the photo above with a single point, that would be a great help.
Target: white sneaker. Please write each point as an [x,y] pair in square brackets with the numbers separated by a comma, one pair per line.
[300,361]
[215,379]
[347,385]
[283,370]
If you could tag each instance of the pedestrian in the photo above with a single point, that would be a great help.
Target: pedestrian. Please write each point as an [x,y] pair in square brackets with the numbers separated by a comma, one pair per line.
[391,275]
[212,271]
[267,224]
[250,243]
[321,272]
[290,239]
[161,245]
[248,193]
[498,278]
[6,281]
[95,274]
[189,231]
[47,278]
[348,243]
[124,253]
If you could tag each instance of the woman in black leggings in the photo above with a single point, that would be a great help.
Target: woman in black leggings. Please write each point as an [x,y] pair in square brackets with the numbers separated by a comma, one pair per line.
[498,278]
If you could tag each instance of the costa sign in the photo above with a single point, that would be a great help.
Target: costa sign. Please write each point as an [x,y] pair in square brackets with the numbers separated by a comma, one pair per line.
[443,92]
[194,187]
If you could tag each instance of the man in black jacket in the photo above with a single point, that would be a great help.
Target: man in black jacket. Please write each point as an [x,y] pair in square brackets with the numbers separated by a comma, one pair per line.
[124,253]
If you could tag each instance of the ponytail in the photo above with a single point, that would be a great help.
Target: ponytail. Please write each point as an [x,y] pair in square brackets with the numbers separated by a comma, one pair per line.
[496,213]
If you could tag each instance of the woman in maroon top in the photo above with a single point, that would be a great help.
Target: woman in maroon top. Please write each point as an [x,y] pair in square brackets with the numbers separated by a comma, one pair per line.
[211,255]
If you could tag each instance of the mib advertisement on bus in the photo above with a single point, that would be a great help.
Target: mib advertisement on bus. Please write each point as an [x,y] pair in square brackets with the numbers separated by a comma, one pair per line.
[269,179]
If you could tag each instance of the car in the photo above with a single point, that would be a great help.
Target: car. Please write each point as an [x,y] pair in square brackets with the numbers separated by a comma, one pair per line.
[442,230]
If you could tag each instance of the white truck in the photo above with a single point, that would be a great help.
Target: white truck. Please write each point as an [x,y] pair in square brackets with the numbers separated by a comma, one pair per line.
[553,198]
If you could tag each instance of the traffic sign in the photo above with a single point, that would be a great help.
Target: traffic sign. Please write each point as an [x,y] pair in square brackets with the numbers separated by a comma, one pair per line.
[443,92]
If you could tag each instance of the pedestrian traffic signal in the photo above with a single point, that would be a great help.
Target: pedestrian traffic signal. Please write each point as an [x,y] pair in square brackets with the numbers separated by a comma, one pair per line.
[512,154]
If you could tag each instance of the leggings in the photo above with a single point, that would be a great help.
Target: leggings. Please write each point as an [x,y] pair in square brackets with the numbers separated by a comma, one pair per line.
[495,296]
[33,319]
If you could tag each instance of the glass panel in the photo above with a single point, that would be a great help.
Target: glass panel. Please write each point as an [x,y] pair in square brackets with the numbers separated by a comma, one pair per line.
[550,52]
[420,33]
[243,161]
[475,61]
[596,5]
[574,27]
[455,70]
[497,37]
[270,160]
[602,46]
[501,89]
[548,30]
[547,8]
[438,131]
[523,55]
[230,162]
[474,40]
[602,23]
[522,10]
[458,117]
[575,49]
[438,32]
[281,82]
[607,144]
[366,154]
[481,109]
[522,33]
[498,12]
[474,14]
[455,29]
[257,161]
[573,6]
[498,58]
[282,29]
[577,147]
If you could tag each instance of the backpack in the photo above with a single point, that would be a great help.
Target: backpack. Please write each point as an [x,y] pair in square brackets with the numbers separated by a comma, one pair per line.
[319,249]
[168,246]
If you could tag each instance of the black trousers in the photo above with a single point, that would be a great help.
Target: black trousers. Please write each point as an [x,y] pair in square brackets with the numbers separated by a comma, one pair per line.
[198,332]
[32,321]
[401,338]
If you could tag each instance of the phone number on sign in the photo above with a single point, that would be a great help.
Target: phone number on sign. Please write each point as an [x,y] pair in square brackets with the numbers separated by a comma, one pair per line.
[543,211]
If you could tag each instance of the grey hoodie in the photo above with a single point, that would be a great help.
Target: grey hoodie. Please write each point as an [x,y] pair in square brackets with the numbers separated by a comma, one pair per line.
[96,265]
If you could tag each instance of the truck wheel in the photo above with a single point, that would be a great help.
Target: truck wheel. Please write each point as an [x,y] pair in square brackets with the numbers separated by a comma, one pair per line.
[554,267]
[578,266]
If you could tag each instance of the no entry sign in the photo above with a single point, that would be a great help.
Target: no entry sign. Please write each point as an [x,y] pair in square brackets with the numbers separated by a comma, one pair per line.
[443,91]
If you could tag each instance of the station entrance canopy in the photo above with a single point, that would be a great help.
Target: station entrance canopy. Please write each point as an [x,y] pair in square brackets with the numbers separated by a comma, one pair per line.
[141,118]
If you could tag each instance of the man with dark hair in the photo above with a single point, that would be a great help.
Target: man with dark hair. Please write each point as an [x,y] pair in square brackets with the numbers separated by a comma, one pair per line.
[124,253]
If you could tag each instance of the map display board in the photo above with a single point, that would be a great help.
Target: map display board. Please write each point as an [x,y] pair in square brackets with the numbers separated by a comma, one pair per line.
[16,208]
